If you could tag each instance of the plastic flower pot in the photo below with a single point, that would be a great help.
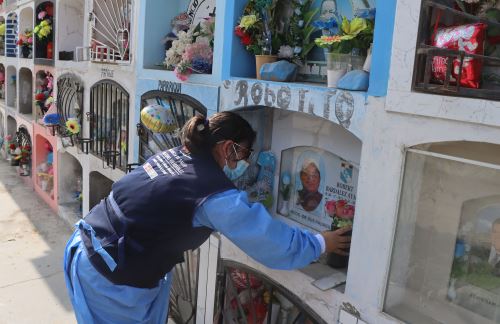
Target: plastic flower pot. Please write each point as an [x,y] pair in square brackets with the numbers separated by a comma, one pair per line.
[338,261]
[261,60]
[25,51]
[337,67]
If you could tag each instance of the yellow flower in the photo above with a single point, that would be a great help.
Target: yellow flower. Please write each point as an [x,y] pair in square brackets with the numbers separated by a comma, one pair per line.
[44,23]
[352,28]
[73,126]
[248,21]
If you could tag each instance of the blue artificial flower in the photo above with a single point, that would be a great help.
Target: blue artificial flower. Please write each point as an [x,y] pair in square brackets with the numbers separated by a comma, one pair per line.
[368,13]
[201,66]
[51,119]
[329,24]
[286,179]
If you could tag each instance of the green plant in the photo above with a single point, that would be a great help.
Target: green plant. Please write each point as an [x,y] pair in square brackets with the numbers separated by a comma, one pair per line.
[295,41]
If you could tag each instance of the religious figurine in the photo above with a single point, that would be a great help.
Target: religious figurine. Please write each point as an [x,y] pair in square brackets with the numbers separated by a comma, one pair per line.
[329,18]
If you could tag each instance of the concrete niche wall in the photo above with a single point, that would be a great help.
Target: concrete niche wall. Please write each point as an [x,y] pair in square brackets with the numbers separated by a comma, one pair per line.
[71,20]
[25,91]
[100,187]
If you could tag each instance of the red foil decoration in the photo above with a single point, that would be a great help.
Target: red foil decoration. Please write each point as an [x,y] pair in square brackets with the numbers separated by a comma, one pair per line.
[468,38]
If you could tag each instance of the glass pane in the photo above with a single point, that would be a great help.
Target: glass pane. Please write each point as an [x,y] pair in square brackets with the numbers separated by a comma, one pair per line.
[445,265]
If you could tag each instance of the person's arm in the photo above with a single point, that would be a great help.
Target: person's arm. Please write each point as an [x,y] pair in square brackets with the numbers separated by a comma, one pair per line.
[249,226]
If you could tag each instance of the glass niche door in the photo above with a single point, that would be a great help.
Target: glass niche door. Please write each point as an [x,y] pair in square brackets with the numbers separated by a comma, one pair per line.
[445,265]
[184,294]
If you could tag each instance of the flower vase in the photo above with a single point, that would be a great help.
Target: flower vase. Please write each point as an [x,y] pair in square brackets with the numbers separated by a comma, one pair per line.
[338,261]
[284,209]
[44,185]
[337,66]
[14,161]
[368,62]
[25,51]
[50,50]
[41,47]
[261,60]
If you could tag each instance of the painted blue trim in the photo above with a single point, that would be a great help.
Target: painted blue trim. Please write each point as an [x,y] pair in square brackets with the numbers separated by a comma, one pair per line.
[382,48]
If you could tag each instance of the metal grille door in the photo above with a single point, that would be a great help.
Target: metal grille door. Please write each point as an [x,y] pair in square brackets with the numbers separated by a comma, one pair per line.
[69,102]
[109,118]
[111,21]
[183,108]
[24,142]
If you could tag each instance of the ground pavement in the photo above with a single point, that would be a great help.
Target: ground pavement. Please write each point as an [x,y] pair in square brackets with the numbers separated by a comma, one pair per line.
[32,240]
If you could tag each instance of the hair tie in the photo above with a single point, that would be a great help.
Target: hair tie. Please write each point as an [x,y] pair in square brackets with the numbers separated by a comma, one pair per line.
[203,126]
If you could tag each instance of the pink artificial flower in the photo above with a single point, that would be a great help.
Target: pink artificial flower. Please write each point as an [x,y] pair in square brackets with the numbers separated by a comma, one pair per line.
[198,50]
[330,208]
[344,210]
[30,40]
[50,82]
[181,76]
[42,15]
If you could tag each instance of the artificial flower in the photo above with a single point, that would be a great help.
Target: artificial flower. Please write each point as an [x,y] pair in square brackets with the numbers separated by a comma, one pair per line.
[2,29]
[330,24]
[354,27]
[238,31]
[248,21]
[246,40]
[286,179]
[42,14]
[285,52]
[192,51]
[40,96]
[330,208]
[73,126]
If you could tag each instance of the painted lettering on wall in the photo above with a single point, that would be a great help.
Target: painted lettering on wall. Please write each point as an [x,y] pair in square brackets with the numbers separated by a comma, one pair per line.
[332,104]
[169,86]
[107,73]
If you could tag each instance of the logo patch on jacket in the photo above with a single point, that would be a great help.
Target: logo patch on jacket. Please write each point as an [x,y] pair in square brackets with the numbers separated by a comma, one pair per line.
[150,171]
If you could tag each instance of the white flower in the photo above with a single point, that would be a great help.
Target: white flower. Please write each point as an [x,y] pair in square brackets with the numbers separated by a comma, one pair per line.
[202,39]
[285,52]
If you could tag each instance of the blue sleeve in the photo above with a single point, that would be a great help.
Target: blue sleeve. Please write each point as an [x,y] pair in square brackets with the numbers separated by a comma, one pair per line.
[249,226]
